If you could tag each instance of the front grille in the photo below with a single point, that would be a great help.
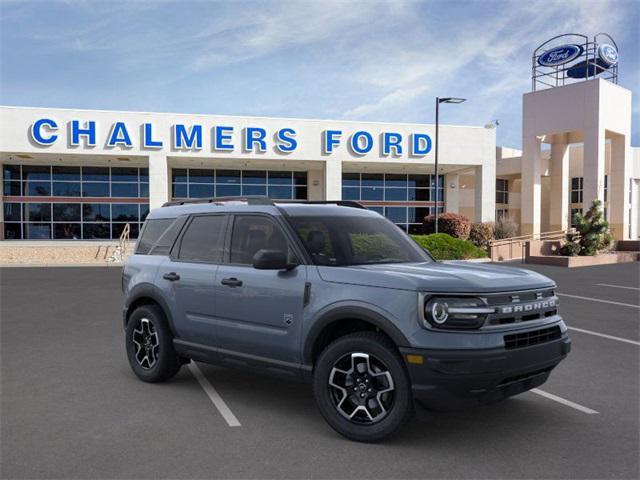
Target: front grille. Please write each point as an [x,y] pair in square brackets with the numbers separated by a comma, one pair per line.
[534,337]
[515,307]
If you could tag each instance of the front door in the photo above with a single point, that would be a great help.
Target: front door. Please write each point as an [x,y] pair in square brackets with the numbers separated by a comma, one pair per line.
[188,278]
[259,312]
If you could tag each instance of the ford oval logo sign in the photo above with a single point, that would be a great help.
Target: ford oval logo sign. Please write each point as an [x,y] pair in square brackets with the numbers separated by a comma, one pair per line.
[560,55]
[608,54]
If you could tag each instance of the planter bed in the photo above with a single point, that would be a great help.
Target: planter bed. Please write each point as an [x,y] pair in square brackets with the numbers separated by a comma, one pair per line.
[584,261]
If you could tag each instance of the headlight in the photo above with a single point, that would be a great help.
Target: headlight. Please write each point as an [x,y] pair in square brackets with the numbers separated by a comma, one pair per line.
[456,313]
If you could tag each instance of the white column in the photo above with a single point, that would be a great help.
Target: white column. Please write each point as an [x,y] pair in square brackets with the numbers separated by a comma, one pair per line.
[332,179]
[158,180]
[485,192]
[452,192]
[315,180]
[618,188]
[559,201]
[531,188]
[593,167]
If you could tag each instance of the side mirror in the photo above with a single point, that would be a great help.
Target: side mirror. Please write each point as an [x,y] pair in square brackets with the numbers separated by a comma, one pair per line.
[271,260]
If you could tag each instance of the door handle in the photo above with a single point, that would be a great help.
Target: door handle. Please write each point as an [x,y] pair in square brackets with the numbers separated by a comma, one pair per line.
[171,276]
[231,282]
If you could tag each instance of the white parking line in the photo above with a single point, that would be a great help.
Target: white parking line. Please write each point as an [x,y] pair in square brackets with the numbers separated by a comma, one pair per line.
[215,397]
[598,300]
[616,286]
[564,401]
[603,335]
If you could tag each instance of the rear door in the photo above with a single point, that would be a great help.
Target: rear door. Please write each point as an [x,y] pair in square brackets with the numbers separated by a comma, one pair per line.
[259,312]
[187,277]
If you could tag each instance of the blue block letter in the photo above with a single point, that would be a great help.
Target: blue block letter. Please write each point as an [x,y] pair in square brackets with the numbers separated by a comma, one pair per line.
[89,131]
[392,140]
[421,144]
[184,139]
[119,136]
[147,138]
[355,142]
[36,131]
[223,135]
[253,136]
[286,140]
[331,139]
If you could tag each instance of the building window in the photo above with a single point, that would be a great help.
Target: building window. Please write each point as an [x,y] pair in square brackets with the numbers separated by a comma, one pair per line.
[606,187]
[502,213]
[576,190]
[418,190]
[77,202]
[202,183]
[502,191]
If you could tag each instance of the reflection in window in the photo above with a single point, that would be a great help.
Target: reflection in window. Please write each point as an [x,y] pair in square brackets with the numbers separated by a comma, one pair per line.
[397,188]
[206,183]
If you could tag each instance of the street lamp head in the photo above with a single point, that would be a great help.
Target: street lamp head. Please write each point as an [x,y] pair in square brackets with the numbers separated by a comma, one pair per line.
[451,100]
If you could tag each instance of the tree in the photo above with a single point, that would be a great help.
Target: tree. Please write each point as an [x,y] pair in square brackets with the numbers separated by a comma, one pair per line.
[591,235]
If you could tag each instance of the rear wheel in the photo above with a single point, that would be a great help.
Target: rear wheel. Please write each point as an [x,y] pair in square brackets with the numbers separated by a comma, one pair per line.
[362,387]
[149,345]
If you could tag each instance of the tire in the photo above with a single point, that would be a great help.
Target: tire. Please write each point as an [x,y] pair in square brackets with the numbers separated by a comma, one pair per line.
[363,404]
[149,345]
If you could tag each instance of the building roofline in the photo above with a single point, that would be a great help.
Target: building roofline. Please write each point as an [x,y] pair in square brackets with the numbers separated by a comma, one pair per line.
[18,107]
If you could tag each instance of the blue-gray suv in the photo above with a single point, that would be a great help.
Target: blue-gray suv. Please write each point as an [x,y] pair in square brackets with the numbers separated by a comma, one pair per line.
[337,295]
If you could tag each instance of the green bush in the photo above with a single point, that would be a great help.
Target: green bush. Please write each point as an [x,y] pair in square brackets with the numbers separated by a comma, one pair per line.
[365,245]
[445,247]
[592,233]
[454,224]
[481,234]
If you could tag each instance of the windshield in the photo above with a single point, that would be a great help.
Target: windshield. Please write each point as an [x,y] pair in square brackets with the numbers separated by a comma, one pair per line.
[355,240]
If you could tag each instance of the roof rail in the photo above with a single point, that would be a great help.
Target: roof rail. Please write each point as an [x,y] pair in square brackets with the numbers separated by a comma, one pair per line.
[340,203]
[249,199]
[263,200]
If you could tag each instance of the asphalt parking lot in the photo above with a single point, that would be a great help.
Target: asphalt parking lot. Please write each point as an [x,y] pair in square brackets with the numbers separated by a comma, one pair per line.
[71,407]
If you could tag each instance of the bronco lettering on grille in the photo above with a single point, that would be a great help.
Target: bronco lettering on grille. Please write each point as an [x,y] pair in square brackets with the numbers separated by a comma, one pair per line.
[528,307]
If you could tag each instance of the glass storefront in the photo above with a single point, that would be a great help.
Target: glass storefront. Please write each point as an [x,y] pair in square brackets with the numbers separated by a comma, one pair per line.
[60,202]
[412,197]
[202,183]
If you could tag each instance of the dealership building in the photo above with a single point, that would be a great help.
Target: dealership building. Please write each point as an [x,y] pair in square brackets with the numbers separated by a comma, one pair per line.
[85,174]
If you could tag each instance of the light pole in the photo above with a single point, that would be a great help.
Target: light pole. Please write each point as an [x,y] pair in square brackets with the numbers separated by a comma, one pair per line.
[438,102]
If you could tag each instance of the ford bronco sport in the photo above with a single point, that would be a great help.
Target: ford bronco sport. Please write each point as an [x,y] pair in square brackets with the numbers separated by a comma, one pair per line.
[335,294]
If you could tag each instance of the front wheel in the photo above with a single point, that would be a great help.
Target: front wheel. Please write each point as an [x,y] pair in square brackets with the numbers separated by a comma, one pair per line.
[362,387]
[149,345]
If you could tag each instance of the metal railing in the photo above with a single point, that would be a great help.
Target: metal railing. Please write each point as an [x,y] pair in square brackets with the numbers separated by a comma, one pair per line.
[120,251]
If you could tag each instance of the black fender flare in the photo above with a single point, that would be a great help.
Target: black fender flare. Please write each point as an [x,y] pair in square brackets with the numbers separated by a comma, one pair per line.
[147,290]
[351,312]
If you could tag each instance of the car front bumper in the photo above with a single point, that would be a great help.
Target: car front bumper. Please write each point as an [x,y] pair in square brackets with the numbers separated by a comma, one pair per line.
[454,379]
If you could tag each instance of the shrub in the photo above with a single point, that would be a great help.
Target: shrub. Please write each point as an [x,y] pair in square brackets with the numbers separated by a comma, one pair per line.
[592,233]
[505,227]
[366,245]
[482,233]
[445,247]
[458,226]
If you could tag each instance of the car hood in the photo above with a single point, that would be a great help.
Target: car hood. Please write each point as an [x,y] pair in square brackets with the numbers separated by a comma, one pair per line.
[451,277]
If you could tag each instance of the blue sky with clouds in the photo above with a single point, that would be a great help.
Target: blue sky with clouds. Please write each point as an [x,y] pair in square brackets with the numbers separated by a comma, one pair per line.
[369,60]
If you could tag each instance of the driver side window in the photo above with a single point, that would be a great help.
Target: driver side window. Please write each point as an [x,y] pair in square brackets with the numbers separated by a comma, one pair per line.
[252,233]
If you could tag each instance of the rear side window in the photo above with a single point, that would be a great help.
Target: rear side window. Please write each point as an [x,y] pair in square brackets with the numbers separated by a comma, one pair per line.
[168,238]
[203,240]
[151,232]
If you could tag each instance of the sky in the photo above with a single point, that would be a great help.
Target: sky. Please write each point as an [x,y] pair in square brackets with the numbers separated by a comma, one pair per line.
[344,60]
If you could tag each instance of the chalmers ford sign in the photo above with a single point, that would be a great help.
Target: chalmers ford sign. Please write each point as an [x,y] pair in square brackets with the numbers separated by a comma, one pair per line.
[221,138]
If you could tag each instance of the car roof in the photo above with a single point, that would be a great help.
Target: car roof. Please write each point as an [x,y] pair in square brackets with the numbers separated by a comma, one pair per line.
[276,208]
